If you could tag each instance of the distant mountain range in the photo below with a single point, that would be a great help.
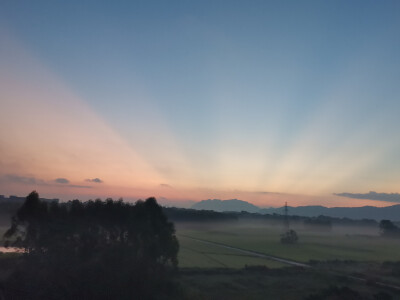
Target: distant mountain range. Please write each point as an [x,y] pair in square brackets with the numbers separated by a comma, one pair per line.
[226,205]
[364,212]
[358,213]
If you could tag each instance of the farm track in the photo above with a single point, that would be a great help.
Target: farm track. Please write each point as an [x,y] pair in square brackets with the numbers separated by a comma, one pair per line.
[293,263]
[249,252]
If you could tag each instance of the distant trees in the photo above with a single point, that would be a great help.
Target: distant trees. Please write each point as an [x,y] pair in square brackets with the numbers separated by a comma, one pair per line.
[388,229]
[194,215]
[320,223]
[94,250]
[289,237]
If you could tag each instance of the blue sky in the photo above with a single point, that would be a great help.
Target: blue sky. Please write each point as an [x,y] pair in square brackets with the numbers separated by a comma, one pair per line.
[282,96]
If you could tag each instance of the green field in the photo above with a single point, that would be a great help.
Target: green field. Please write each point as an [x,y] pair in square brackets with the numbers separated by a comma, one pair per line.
[311,246]
[274,284]
[210,271]
[197,254]
[339,259]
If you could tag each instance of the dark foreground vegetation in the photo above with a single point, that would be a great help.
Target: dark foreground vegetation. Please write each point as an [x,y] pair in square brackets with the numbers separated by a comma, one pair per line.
[290,283]
[92,250]
[115,250]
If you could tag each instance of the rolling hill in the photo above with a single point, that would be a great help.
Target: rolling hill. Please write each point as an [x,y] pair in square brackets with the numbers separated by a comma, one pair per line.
[357,213]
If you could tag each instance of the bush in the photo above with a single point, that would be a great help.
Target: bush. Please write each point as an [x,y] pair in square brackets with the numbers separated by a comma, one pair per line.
[290,237]
[388,229]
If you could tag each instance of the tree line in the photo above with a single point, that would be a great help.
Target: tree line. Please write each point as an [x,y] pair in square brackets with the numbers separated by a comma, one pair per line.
[93,250]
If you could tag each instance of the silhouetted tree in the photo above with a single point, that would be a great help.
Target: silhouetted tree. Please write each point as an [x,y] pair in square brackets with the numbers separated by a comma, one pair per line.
[388,229]
[194,215]
[290,237]
[94,250]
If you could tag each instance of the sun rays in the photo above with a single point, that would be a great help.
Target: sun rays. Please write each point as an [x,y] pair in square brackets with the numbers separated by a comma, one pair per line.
[245,142]
[48,131]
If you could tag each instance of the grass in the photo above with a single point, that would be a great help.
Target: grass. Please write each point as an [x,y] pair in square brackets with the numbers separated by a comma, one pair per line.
[214,272]
[210,271]
[311,246]
[197,254]
[285,283]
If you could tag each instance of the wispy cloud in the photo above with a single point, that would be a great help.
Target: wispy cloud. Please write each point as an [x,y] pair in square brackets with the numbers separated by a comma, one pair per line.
[165,185]
[78,186]
[31,180]
[268,193]
[96,180]
[24,179]
[62,180]
[389,197]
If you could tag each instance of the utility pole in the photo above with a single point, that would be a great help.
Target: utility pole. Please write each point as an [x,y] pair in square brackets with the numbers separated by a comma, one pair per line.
[286,220]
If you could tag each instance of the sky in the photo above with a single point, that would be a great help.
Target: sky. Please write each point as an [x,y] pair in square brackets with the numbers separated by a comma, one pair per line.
[263,101]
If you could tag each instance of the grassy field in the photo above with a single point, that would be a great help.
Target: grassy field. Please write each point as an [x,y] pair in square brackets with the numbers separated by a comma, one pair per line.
[311,246]
[197,254]
[285,283]
[210,271]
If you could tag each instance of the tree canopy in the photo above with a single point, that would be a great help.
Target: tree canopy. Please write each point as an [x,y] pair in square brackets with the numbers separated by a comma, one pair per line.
[388,229]
[94,248]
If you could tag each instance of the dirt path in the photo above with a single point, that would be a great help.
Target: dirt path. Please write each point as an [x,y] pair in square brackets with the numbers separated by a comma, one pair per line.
[249,252]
